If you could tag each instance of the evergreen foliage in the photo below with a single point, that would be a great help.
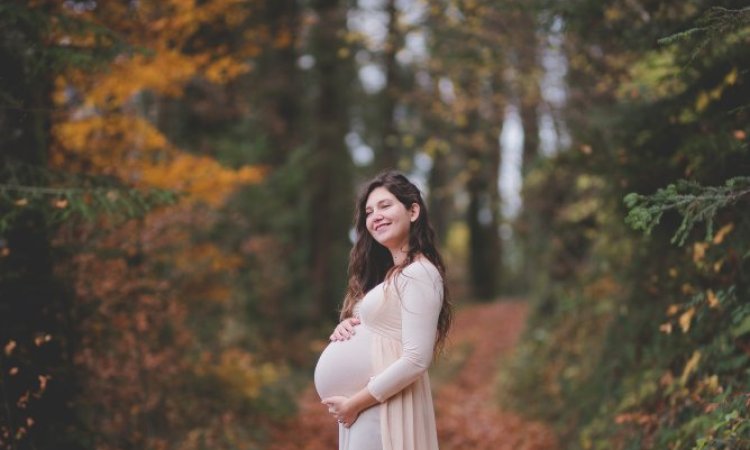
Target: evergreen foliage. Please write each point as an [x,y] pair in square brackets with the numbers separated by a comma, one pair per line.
[59,197]
[644,342]
[693,202]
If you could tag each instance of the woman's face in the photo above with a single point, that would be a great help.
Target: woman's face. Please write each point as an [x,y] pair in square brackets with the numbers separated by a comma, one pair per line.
[387,219]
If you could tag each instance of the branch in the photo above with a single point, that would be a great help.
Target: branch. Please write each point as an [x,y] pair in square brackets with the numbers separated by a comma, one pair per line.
[693,202]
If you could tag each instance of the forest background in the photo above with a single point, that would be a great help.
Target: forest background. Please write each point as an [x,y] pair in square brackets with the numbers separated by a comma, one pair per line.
[176,189]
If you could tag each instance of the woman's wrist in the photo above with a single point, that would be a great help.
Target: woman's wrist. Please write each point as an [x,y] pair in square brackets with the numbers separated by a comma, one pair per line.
[360,401]
[350,406]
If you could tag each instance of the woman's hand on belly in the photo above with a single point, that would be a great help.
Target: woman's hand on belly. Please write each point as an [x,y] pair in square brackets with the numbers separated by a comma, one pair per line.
[347,409]
[338,408]
[345,329]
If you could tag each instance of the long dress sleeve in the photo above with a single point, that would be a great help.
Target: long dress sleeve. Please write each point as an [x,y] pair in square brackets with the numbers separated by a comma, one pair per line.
[420,291]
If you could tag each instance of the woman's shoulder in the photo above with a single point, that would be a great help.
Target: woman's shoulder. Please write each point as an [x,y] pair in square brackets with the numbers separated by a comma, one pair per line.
[422,268]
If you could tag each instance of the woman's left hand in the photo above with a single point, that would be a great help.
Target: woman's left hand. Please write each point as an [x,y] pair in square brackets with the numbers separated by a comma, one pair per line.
[340,408]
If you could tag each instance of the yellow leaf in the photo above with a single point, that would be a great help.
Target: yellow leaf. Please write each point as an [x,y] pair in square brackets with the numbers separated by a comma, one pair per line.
[690,367]
[712,384]
[731,77]
[702,101]
[685,319]
[726,229]
[699,251]
[666,328]
[713,302]
[672,310]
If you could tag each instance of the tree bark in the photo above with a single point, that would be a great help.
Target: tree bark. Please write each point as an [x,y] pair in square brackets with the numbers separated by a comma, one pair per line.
[283,94]
[391,141]
[483,160]
[330,170]
[32,300]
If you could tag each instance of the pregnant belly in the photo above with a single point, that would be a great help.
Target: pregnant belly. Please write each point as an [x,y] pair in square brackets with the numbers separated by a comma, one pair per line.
[345,367]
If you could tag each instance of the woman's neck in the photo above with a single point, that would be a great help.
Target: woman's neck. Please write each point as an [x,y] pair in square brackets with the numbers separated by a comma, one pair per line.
[399,254]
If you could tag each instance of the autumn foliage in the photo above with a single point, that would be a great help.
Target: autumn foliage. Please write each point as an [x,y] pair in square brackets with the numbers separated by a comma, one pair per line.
[143,347]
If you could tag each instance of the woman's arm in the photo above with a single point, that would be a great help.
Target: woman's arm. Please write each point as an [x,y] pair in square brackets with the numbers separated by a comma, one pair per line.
[421,300]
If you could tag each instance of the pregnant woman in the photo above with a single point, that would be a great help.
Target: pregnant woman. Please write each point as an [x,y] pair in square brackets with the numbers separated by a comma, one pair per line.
[373,375]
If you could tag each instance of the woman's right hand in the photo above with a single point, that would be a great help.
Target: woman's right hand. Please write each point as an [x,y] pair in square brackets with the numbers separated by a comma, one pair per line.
[345,329]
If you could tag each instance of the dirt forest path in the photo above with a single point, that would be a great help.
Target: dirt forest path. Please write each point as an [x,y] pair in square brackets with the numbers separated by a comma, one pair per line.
[468,416]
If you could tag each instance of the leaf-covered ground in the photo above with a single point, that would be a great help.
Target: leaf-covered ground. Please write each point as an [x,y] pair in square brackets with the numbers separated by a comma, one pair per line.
[463,382]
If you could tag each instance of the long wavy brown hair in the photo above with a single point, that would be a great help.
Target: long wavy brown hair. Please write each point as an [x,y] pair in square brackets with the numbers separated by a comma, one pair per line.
[370,263]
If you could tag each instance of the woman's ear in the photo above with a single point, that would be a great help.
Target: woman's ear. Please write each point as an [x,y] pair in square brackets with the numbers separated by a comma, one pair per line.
[414,212]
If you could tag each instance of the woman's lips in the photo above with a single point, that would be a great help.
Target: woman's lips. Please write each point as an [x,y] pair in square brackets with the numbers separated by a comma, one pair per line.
[381,225]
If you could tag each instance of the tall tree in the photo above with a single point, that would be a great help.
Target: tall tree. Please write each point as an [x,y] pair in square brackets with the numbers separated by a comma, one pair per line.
[470,83]
[330,170]
[35,332]
[390,94]
[275,89]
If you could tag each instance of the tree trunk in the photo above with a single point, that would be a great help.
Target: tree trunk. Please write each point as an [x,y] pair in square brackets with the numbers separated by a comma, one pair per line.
[439,199]
[330,171]
[529,121]
[282,91]
[32,301]
[391,141]
[483,161]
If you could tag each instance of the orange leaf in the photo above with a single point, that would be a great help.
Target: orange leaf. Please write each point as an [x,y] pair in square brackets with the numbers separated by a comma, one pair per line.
[699,251]
[726,229]
[713,302]
[685,319]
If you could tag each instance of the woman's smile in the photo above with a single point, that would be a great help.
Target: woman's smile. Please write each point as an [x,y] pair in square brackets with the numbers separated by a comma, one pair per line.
[380,226]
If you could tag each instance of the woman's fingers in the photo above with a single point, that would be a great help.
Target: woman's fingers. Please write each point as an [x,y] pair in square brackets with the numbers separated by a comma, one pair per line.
[337,336]
[349,325]
[345,329]
[340,334]
[338,410]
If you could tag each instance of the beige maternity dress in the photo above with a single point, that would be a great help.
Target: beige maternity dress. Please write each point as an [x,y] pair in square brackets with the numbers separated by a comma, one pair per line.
[396,337]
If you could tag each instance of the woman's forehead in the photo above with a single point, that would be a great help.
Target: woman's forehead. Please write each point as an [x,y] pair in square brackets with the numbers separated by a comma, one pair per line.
[378,194]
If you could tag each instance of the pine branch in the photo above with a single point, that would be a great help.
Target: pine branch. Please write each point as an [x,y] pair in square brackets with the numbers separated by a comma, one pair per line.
[60,204]
[693,202]
[715,25]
